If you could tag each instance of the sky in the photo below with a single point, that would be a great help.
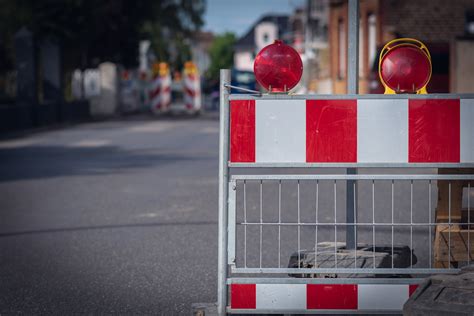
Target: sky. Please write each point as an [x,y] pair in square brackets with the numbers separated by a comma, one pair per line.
[239,15]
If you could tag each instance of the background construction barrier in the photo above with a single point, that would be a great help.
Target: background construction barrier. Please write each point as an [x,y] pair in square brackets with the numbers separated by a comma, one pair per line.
[165,84]
[155,88]
[192,87]
[284,236]
[160,90]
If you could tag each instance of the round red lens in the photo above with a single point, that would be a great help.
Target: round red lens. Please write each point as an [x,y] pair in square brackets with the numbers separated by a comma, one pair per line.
[405,69]
[278,67]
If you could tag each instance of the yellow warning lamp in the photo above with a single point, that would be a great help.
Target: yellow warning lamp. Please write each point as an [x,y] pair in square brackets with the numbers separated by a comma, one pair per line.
[190,68]
[163,69]
[155,69]
[405,66]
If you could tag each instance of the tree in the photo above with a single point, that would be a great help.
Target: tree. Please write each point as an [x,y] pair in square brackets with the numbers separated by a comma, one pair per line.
[221,53]
[106,29]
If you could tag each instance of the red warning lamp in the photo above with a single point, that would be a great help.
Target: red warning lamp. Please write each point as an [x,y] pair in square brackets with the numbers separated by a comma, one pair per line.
[405,66]
[125,75]
[278,67]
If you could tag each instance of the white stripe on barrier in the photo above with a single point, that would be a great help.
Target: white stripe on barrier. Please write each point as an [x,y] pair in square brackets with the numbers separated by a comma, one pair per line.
[192,92]
[281,296]
[382,296]
[274,141]
[165,92]
[467,130]
[382,130]
[155,84]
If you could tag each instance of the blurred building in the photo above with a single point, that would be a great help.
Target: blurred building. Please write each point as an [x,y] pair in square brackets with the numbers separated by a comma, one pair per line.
[306,29]
[264,32]
[309,25]
[447,28]
[200,44]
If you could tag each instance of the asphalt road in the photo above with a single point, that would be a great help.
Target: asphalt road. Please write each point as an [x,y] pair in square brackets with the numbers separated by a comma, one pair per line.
[121,217]
[110,217]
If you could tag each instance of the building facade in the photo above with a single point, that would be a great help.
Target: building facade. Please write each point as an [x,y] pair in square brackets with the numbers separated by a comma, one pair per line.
[201,44]
[439,24]
[264,32]
[306,29]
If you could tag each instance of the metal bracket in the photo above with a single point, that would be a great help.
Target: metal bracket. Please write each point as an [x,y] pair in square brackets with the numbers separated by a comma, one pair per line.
[242,89]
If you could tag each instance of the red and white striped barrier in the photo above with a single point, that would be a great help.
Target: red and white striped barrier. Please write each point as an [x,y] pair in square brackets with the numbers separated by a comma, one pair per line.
[192,92]
[155,88]
[324,297]
[165,92]
[365,130]
[160,90]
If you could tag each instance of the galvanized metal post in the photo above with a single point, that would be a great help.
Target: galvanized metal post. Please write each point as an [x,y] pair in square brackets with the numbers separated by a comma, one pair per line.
[352,88]
[353,48]
[223,191]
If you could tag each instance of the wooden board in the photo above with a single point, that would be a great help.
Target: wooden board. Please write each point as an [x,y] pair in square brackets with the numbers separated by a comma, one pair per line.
[453,247]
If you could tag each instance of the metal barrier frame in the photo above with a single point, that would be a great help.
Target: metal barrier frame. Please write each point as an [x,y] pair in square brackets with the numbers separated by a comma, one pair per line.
[227,198]
[227,224]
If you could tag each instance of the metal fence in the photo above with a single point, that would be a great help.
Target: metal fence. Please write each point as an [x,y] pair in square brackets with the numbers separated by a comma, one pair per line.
[295,224]
[287,227]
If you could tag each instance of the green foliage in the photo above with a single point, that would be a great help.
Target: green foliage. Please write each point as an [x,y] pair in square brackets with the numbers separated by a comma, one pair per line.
[104,29]
[221,53]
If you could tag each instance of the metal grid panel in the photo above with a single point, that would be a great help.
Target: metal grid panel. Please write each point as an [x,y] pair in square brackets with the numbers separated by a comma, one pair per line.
[301,218]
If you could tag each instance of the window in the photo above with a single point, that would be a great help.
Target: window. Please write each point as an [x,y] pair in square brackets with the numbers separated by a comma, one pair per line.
[315,28]
[470,22]
[265,37]
[361,51]
[470,28]
[372,38]
[341,31]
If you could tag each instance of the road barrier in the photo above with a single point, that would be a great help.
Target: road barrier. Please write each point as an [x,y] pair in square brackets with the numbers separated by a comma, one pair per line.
[192,88]
[283,226]
[160,88]
[165,95]
[155,93]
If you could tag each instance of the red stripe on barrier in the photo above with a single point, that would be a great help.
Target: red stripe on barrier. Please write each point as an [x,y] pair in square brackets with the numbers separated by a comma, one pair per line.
[331,131]
[242,131]
[243,296]
[411,289]
[190,92]
[434,131]
[331,296]
[154,93]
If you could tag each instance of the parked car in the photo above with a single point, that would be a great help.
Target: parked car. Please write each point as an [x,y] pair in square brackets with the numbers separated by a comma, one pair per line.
[243,79]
